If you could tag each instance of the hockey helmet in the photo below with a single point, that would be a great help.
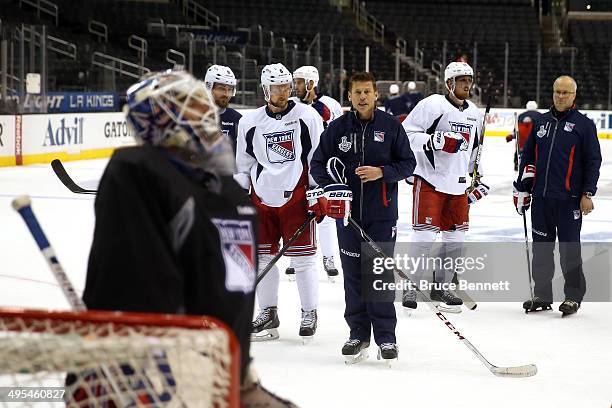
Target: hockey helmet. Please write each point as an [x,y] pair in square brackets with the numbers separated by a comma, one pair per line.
[531,105]
[274,74]
[393,89]
[220,74]
[307,73]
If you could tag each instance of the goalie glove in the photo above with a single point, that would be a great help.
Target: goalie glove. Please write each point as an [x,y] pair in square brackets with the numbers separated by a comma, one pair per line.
[449,142]
[339,198]
[480,190]
[317,204]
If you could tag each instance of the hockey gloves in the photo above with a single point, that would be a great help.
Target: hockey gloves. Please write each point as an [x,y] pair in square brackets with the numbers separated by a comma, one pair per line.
[339,198]
[480,190]
[317,204]
[521,191]
[449,142]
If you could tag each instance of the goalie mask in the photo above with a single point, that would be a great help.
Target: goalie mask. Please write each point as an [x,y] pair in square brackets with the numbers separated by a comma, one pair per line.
[274,74]
[454,70]
[220,74]
[174,109]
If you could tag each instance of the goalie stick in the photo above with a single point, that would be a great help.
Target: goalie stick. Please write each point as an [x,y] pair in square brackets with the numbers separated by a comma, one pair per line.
[23,205]
[514,371]
[66,180]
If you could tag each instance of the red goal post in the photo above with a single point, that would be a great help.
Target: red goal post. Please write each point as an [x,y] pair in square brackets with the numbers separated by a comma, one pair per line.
[121,358]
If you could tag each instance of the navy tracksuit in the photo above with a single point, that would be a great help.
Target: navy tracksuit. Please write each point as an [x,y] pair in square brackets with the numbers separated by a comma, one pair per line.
[229,124]
[380,142]
[565,150]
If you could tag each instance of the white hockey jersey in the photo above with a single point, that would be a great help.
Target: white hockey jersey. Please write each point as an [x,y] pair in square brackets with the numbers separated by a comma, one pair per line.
[273,149]
[447,172]
[333,105]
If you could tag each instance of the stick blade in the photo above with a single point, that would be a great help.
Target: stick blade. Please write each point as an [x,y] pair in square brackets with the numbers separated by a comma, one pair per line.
[62,175]
[528,370]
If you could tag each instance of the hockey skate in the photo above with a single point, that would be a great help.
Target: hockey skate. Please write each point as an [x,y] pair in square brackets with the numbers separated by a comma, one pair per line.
[388,352]
[446,301]
[569,307]
[409,301]
[355,350]
[308,326]
[290,272]
[265,326]
[330,268]
[536,305]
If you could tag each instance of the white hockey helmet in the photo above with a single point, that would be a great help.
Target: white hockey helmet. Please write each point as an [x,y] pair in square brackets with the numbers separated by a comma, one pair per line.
[455,69]
[274,74]
[307,73]
[531,105]
[220,74]
[393,89]
[411,86]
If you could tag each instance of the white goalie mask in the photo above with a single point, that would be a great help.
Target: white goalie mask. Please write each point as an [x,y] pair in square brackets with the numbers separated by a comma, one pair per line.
[307,73]
[220,74]
[173,108]
[274,74]
[454,70]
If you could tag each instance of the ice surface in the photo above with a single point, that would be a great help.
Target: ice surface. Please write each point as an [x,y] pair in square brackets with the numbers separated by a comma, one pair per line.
[573,355]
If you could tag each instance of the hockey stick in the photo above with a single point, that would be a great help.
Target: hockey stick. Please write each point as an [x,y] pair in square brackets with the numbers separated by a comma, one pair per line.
[23,205]
[298,232]
[480,143]
[467,299]
[516,371]
[66,180]
[516,135]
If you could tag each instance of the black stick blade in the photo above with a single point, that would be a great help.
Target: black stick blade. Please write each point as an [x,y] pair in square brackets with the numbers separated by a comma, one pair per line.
[66,180]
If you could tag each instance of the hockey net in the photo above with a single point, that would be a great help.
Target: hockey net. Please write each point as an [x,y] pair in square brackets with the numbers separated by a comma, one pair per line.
[116,359]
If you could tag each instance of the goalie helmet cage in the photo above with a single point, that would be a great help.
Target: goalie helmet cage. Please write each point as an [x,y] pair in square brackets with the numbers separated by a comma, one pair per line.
[155,360]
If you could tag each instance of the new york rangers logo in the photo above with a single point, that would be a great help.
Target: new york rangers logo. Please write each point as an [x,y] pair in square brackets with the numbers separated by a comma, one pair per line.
[379,136]
[238,247]
[280,146]
[464,130]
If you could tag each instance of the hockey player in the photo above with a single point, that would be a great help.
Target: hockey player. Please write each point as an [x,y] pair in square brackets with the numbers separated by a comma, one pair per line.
[525,124]
[305,80]
[172,208]
[221,83]
[443,132]
[275,146]
[560,168]
[374,148]
[400,105]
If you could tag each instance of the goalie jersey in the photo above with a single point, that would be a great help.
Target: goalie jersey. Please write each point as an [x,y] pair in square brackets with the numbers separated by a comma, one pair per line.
[274,150]
[446,172]
[172,239]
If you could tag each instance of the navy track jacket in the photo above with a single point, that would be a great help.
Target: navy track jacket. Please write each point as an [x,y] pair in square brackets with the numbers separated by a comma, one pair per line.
[380,142]
[565,150]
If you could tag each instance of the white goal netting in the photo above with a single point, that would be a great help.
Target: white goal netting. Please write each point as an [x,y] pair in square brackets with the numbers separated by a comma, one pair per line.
[106,359]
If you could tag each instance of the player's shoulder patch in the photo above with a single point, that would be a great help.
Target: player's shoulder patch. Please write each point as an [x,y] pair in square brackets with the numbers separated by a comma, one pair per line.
[237,239]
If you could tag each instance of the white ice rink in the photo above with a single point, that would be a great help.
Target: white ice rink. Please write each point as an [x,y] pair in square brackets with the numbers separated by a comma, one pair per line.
[573,355]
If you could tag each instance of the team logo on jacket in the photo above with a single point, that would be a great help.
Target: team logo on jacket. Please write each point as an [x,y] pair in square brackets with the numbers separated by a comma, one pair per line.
[569,126]
[225,132]
[344,144]
[541,132]
[379,136]
[238,248]
[464,130]
[280,146]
